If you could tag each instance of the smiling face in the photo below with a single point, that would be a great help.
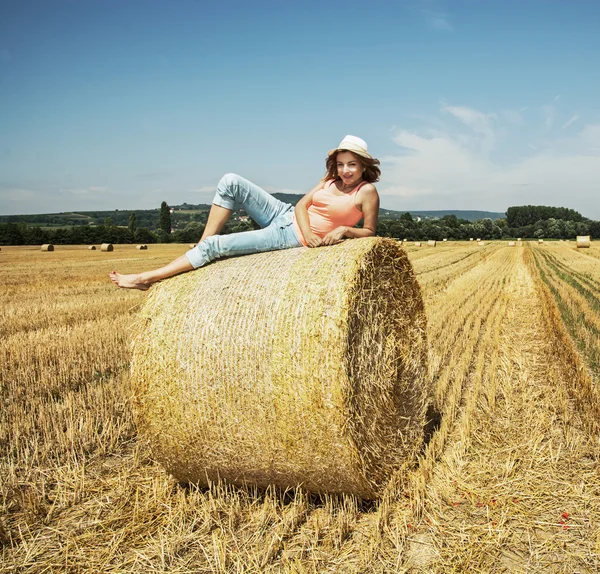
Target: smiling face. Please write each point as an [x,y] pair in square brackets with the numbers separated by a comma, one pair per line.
[349,168]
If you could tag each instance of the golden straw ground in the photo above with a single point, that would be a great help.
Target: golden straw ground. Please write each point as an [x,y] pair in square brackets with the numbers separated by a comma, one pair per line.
[79,491]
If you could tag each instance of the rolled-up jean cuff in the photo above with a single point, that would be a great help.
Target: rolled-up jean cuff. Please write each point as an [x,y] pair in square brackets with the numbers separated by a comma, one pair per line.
[224,202]
[195,258]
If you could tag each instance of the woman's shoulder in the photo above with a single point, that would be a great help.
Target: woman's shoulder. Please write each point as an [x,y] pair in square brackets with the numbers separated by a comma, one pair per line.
[367,189]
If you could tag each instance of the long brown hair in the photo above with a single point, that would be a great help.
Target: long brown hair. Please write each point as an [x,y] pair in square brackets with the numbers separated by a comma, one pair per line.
[371,173]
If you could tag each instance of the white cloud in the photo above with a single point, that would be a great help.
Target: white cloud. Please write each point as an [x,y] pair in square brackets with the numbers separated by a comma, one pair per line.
[454,169]
[434,15]
[91,190]
[570,121]
[550,114]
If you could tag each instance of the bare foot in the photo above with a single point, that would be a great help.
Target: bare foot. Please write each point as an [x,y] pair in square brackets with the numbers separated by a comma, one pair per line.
[129,281]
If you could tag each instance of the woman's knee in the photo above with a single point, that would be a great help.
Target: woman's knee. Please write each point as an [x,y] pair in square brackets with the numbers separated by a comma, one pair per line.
[229,180]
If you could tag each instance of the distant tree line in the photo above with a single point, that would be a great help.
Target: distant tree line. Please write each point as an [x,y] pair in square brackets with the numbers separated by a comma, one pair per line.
[528,221]
[551,223]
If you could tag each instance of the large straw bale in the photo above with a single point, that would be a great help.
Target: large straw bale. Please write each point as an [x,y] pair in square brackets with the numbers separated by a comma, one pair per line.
[479,242]
[47,247]
[294,367]
[417,244]
[583,241]
[141,247]
[540,241]
[431,243]
[92,248]
[511,244]
[444,239]
[106,247]
[470,239]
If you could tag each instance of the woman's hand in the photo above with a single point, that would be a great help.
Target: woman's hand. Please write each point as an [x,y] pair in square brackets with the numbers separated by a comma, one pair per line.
[335,236]
[312,240]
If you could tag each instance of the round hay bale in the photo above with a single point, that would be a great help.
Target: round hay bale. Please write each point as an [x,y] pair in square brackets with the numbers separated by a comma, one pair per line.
[518,239]
[540,241]
[106,247]
[431,243]
[479,242]
[511,244]
[47,247]
[444,239]
[470,239]
[295,367]
[583,241]
[417,244]
[192,245]
[142,247]
[92,248]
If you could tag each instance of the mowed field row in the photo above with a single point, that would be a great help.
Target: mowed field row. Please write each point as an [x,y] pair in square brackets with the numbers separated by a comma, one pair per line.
[507,481]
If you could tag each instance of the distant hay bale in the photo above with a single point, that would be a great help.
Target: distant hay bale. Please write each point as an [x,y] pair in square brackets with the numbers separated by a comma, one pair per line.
[405,240]
[518,239]
[47,247]
[106,247]
[192,245]
[583,241]
[470,239]
[417,244]
[142,247]
[478,239]
[479,242]
[295,367]
[444,239]
[511,244]
[540,241]
[92,248]
[432,243]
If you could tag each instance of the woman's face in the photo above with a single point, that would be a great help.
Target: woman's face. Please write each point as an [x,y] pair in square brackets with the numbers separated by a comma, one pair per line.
[349,167]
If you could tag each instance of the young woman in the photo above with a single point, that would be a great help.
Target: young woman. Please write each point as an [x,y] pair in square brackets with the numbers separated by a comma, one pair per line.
[324,216]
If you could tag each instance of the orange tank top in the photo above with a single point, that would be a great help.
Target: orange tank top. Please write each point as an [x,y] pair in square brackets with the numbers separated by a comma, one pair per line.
[330,210]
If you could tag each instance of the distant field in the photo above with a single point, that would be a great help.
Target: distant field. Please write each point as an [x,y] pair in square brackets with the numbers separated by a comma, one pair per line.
[508,480]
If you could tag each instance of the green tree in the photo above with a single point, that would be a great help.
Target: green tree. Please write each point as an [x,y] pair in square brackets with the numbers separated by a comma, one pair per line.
[165,218]
[132,225]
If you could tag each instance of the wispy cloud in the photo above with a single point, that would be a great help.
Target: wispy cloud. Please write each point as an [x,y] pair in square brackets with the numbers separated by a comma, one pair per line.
[91,190]
[434,15]
[467,166]
[571,120]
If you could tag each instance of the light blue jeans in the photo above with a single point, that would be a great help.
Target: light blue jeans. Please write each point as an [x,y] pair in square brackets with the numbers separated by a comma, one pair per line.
[274,216]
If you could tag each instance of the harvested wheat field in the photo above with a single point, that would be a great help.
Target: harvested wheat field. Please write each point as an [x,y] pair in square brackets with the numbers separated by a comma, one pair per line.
[508,478]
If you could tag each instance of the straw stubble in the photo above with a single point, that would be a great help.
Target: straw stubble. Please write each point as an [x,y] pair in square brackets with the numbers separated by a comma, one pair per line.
[303,366]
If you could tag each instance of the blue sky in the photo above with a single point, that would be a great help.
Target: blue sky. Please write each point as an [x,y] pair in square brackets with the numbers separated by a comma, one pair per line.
[469,104]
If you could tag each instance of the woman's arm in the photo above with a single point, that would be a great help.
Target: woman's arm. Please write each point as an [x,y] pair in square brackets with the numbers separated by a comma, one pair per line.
[370,210]
[301,212]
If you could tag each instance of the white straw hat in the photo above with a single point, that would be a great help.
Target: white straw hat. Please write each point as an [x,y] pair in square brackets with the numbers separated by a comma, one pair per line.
[353,144]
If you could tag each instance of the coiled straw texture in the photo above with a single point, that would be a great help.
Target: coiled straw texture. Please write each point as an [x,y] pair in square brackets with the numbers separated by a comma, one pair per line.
[295,367]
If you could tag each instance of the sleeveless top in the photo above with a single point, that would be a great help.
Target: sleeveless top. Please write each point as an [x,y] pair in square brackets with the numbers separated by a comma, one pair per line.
[329,210]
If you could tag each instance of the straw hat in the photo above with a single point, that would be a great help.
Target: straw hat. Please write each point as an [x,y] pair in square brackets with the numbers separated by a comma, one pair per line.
[353,144]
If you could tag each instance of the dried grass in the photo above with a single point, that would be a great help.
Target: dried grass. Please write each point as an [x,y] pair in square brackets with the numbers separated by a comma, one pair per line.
[583,241]
[297,367]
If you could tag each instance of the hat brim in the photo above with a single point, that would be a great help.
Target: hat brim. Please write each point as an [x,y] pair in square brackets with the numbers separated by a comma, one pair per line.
[354,149]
